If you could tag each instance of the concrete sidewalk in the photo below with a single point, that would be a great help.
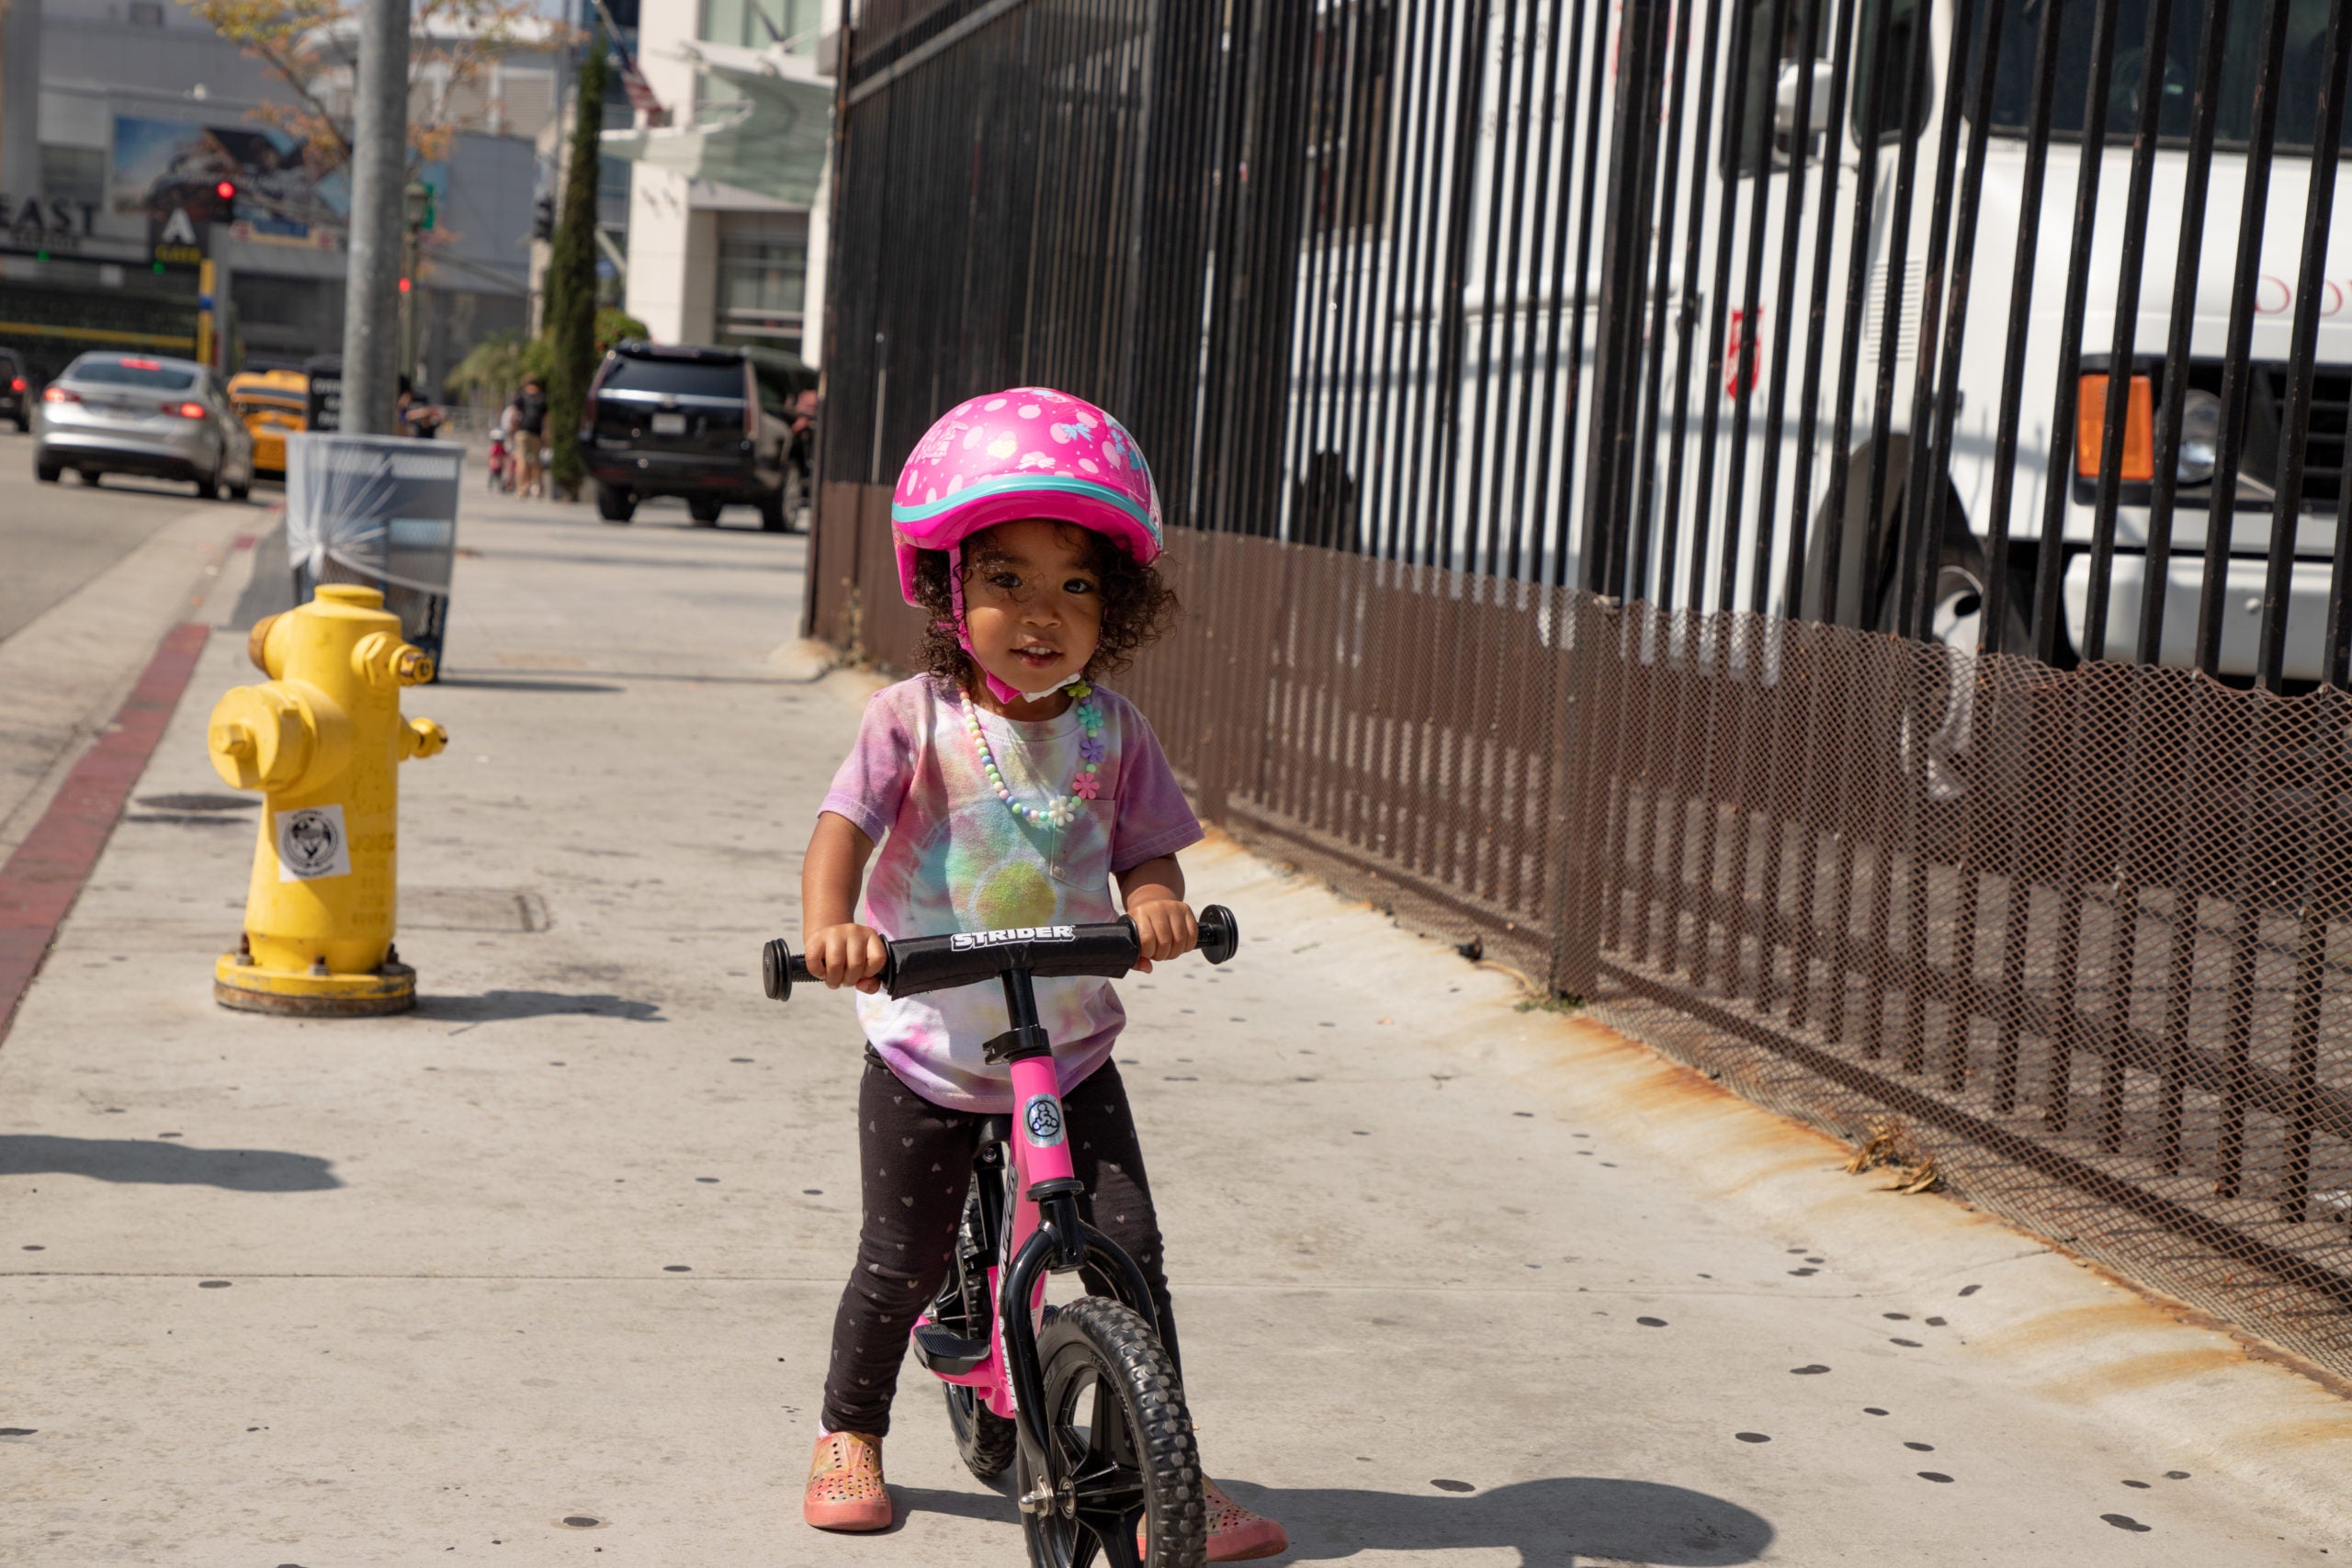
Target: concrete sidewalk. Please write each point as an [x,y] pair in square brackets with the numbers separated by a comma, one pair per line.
[544,1270]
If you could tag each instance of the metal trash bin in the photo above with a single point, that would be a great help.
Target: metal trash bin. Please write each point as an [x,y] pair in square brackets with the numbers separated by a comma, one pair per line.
[379,511]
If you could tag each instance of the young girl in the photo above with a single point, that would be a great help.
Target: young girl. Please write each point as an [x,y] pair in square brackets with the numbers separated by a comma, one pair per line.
[1006,790]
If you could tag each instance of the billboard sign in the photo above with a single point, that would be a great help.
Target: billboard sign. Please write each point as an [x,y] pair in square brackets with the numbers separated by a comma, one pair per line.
[284,194]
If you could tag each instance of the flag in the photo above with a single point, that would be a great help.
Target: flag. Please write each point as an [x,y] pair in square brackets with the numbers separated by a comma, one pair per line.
[633,82]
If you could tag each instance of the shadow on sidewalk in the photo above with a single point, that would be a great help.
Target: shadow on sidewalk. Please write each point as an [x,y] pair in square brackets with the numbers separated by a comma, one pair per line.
[513,683]
[490,1005]
[164,1164]
[1558,1522]
[995,1505]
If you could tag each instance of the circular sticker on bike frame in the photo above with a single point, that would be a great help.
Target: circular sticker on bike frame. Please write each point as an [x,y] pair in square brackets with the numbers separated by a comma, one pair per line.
[1043,1118]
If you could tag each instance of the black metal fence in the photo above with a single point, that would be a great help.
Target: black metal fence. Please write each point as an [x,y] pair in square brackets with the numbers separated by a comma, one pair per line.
[1560,403]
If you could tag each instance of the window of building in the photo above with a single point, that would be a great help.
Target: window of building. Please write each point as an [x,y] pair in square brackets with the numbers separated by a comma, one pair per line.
[146,13]
[761,24]
[77,175]
[761,276]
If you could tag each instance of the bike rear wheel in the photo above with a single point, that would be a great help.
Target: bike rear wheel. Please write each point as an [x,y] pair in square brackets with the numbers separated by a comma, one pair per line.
[984,1439]
[1115,1411]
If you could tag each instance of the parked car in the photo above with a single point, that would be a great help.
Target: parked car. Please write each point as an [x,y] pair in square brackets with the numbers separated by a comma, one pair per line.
[16,390]
[710,426]
[123,414]
[273,404]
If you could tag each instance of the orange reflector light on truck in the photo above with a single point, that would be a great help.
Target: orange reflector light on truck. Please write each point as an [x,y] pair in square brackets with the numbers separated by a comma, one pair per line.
[2139,429]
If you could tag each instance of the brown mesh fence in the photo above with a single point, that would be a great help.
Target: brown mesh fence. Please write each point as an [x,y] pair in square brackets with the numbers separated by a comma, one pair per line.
[2082,938]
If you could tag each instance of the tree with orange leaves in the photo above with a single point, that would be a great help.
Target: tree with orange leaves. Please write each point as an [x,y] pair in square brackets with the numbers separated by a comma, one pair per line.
[309,44]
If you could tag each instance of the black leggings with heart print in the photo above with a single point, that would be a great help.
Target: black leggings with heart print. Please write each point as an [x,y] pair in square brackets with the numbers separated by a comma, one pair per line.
[917,1163]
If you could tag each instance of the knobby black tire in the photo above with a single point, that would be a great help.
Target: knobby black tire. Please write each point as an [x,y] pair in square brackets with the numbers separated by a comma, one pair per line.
[1130,1366]
[985,1439]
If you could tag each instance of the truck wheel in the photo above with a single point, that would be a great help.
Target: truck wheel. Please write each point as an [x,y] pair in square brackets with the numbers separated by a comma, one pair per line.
[614,504]
[47,473]
[209,489]
[1956,599]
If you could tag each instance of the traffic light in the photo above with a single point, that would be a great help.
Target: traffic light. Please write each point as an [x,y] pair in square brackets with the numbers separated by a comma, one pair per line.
[543,219]
[217,206]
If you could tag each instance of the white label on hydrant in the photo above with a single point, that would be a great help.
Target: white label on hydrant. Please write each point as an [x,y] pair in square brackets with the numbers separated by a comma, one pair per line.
[311,844]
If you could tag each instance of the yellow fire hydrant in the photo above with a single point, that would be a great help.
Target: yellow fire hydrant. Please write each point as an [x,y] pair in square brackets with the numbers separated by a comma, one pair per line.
[322,740]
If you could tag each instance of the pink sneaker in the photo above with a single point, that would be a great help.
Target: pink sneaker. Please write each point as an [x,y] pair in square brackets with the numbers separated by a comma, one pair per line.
[1236,1535]
[845,1490]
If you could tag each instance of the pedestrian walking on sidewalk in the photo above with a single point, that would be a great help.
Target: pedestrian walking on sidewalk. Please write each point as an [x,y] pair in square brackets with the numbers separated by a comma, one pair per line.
[530,435]
[1006,789]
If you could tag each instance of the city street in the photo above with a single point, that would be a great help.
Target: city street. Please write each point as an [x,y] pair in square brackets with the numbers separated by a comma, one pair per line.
[90,578]
[54,538]
[544,1270]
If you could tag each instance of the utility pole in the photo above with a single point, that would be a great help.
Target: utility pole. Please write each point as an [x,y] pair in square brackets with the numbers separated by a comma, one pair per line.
[20,100]
[378,164]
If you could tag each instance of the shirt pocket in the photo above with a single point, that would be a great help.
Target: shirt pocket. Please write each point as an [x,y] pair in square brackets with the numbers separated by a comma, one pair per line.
[1082,860]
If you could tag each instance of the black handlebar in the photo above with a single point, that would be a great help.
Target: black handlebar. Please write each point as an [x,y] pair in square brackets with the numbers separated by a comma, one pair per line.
[916,964]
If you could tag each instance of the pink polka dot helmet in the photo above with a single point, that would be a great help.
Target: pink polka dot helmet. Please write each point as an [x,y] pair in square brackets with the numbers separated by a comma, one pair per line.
[1029,452]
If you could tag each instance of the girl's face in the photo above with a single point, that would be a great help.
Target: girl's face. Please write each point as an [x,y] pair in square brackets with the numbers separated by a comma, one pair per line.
[1031,602]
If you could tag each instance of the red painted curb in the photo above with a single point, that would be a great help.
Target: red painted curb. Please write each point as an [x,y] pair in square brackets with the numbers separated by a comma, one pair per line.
[41,880]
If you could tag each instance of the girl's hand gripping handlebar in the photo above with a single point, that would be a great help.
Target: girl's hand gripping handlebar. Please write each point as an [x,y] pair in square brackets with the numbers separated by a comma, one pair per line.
[922,963]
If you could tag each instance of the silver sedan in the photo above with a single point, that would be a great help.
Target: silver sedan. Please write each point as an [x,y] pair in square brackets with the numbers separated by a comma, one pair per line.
[128,414]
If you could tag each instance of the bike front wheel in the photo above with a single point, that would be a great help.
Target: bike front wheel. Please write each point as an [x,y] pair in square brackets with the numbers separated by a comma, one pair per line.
[1131,1495]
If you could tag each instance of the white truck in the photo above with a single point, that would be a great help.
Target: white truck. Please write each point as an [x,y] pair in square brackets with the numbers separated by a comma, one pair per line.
[1526,80]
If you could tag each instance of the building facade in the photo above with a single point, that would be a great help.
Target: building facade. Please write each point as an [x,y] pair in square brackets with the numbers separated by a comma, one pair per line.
[157,152]
[711,260]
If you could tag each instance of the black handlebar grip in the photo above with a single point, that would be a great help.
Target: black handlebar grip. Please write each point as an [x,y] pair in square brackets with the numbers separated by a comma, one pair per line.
[1220,934]
[779,969]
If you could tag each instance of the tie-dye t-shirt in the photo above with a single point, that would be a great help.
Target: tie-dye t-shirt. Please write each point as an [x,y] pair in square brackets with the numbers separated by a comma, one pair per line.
[953,858]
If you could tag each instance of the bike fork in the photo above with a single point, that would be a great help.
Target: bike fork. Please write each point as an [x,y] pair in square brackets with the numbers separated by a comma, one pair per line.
[1048,1233]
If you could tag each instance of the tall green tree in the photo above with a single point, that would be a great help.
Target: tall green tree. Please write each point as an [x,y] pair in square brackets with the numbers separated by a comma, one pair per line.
[570,321]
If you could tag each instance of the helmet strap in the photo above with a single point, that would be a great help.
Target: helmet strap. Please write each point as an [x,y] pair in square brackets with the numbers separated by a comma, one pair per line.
[1002,691]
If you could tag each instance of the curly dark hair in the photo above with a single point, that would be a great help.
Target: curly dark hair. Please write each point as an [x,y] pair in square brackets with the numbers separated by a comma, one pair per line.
[1136,606]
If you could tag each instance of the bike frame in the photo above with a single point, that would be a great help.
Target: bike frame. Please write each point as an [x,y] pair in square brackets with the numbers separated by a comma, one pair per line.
[1045,1236]
[1032,1227]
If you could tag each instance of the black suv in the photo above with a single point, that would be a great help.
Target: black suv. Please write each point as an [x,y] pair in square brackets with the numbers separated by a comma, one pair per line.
[15,391]
[712,425]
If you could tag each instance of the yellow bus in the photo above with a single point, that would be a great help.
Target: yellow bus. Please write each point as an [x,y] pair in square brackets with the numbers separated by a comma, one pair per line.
[274,404]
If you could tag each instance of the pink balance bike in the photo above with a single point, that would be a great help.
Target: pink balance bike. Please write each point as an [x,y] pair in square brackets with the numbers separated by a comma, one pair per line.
[1082,1399]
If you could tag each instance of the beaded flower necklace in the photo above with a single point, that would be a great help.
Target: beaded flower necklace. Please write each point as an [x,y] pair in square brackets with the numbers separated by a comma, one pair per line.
[1085,784]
